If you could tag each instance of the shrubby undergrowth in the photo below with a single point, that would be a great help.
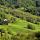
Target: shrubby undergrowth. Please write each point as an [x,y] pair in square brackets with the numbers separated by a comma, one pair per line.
[23,23]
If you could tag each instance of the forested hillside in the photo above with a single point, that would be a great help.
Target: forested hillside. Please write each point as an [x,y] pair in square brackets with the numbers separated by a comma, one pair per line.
[19,19]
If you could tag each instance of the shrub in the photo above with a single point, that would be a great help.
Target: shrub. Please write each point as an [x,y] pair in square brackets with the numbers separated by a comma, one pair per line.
[13,20]
[37,34]
[29,26]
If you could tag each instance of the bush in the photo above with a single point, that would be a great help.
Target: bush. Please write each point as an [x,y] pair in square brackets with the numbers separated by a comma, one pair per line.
[29,26]
[37,34]
[13,20]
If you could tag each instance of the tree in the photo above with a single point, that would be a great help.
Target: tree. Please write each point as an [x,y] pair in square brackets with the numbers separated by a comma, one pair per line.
[28,4]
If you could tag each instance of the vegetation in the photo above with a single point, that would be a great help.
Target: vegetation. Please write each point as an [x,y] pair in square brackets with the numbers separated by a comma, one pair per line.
[19,20]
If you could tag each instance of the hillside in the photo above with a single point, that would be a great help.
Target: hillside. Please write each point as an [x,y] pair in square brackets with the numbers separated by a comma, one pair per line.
[18,23]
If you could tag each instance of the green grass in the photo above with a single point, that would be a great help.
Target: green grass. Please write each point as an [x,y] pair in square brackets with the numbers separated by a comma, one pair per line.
[18,26]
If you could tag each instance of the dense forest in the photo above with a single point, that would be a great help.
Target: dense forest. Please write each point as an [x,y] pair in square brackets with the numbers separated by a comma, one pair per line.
[19,19]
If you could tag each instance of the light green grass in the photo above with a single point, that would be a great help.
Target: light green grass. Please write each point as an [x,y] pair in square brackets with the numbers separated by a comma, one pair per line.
[18,26]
